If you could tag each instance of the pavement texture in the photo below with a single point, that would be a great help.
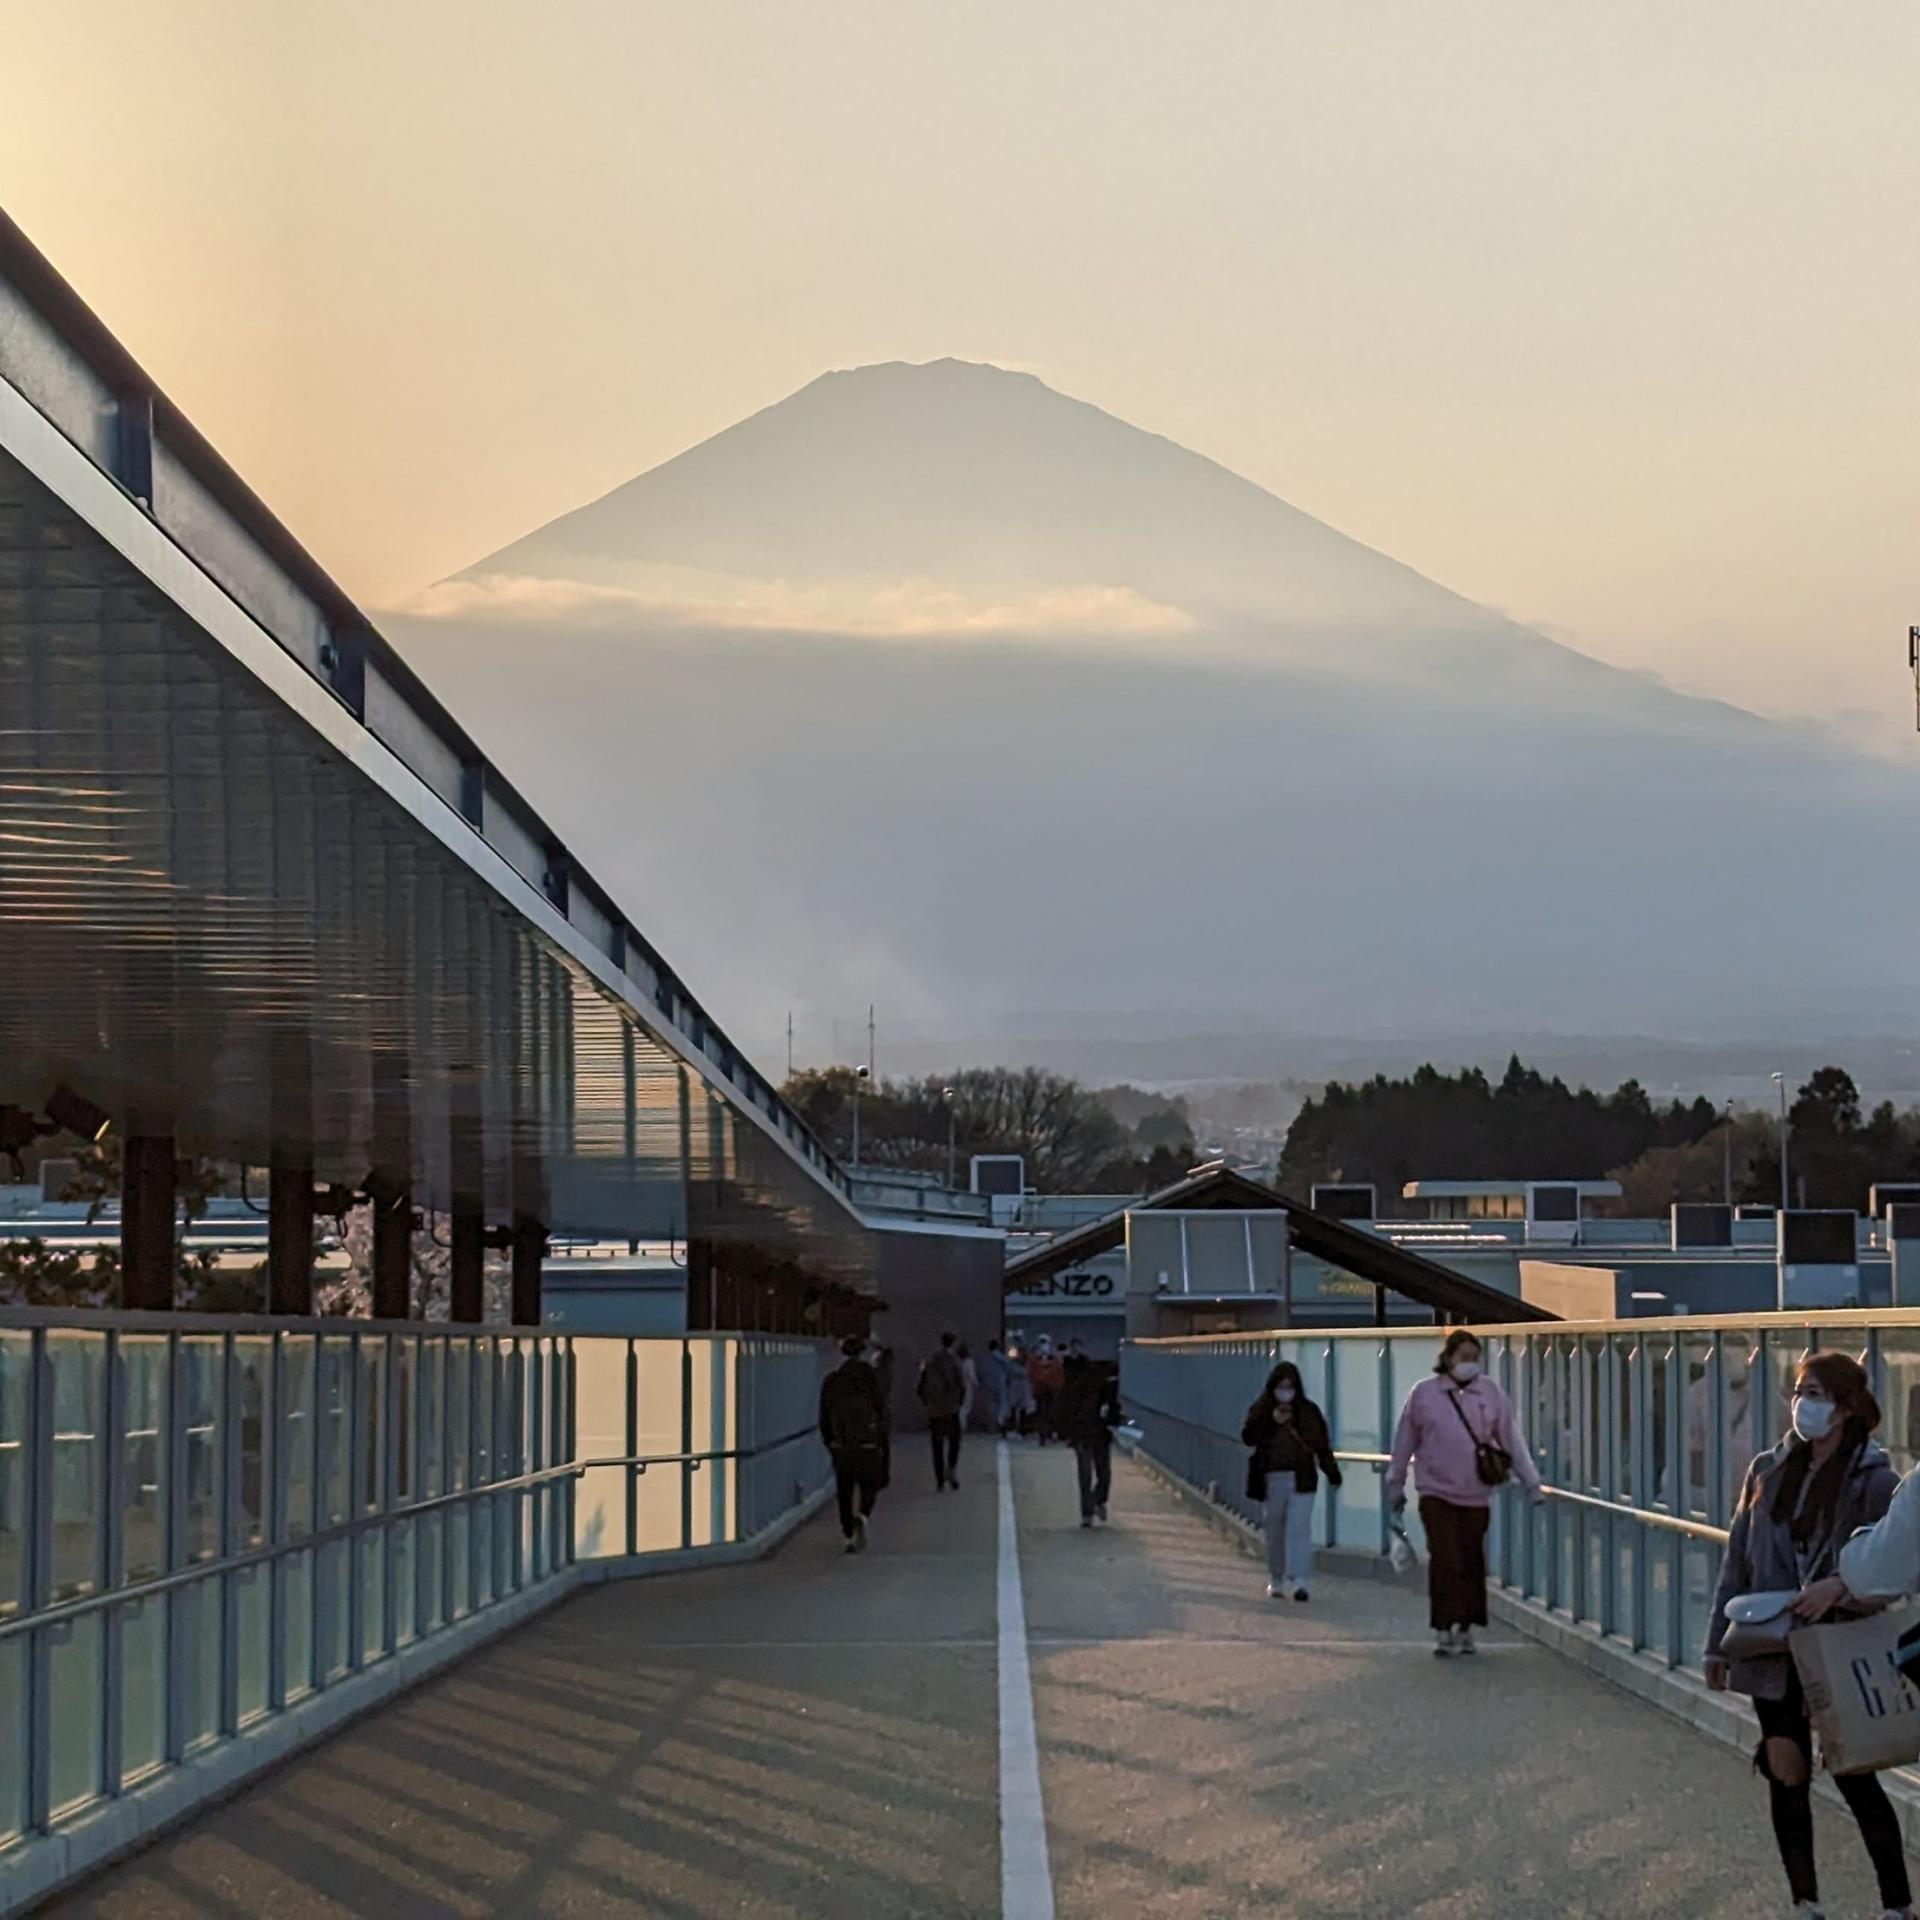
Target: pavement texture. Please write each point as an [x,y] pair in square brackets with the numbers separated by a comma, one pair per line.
[816,1736]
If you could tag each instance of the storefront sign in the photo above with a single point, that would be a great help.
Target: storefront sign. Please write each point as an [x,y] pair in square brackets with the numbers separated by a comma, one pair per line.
[1069,1286]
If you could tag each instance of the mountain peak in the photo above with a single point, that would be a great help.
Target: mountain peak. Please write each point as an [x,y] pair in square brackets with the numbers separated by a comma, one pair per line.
[984,479]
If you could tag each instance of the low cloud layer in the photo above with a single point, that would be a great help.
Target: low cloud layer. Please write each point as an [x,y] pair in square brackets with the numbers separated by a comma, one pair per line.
[909,609]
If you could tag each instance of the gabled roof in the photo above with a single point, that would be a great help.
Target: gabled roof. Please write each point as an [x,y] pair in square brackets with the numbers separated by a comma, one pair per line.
[1364,1255]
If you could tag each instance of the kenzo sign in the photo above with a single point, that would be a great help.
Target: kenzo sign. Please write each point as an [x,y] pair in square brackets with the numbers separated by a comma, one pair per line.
[1070,1286]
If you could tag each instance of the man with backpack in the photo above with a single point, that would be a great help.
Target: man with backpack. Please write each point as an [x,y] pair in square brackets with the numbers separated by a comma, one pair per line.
[853,1423]
[943,1392]
[1088,1410]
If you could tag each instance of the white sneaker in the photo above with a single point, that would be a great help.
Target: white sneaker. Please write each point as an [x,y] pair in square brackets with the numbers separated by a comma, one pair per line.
[1812,1910]
[1100,1513]
[1275,1591]
[1463,1640]
[1443,1643]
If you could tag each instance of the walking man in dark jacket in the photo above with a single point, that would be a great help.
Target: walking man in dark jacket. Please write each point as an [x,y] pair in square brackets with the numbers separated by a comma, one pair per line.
[853,1423]
[943,1392]
[1087,1412]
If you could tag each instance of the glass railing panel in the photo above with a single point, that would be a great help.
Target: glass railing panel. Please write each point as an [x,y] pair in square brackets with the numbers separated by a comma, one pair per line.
[142,1626]
[1899,1394]
[251,1597]
[200,1386]
[336,1431]
[14,1729]
[75,1722]
[1359,1421]
[144,1479]
[332,1606]
[294,1438]
[196,1646]
[600,1409]
[253,1415]
[76,1375]
[296,1624]
[16,1378]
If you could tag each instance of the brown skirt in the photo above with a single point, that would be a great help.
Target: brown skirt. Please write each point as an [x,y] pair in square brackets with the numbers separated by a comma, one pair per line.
[1456,1562]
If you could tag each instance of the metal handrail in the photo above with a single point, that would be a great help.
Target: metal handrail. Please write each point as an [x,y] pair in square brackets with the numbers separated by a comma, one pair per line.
[65,1611]
[1646,1516]
[643,1461]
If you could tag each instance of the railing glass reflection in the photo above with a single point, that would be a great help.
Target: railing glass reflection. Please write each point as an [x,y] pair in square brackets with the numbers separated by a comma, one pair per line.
[1642,1430]
[205,1525]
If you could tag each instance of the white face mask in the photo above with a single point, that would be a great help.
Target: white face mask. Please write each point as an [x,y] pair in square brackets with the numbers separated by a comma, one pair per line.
[1811,1418]
[1284,1395]
[1466,1371]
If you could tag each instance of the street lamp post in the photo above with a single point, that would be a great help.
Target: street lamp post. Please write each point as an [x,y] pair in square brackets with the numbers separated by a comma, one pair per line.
[859,1081]
[1726,1147]
[1780,1081]
[948,1094]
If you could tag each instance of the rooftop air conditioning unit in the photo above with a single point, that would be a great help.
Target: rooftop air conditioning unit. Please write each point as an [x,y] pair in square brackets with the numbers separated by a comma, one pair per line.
[1701,1224]
[1352,1202]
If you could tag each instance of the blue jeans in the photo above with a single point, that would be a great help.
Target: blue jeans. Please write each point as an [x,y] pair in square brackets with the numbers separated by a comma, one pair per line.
[1289,1532]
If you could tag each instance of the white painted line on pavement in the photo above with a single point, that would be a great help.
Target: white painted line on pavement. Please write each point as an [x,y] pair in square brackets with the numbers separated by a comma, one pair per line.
[1026,1879]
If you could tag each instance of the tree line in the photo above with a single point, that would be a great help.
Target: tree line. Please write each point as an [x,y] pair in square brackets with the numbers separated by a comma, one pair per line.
[1074,1139]
[1463,1126]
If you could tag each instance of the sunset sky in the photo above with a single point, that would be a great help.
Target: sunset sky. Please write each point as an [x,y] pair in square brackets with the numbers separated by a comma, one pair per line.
[1608,316]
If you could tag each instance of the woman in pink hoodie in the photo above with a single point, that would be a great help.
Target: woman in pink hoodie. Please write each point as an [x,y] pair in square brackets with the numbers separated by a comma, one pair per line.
[1458,1433]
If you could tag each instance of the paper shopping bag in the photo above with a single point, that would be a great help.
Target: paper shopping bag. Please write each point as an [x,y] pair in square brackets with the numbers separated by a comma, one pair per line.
[1865,1711]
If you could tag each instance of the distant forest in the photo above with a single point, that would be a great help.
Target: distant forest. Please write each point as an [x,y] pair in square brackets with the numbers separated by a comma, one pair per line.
[1075,1139]
[1439,1126]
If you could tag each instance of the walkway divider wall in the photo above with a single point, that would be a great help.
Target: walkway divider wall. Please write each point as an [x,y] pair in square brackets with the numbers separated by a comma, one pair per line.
[1642,1431]
[221,1539]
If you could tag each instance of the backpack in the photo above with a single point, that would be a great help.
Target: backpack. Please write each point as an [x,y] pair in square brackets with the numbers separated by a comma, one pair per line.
[856,1418]
[859,1424]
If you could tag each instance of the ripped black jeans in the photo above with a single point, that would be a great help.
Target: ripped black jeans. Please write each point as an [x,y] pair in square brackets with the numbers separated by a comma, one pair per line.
[1792,1807]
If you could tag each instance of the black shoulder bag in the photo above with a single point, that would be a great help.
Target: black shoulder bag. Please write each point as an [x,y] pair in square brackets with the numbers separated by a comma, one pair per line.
[1494,1464]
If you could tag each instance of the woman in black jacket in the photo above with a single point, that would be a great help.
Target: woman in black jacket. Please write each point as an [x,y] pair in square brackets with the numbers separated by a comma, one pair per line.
[1291,1447]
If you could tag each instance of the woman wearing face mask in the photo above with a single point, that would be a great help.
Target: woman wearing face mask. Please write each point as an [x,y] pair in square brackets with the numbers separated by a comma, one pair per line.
[1291,1448]
[1800,1502]
[1453,1432]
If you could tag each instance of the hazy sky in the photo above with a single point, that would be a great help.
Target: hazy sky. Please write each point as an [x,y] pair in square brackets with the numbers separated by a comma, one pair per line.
[1606,314]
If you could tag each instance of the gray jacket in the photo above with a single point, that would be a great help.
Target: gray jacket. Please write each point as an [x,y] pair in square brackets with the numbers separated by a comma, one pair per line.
[1760,1557]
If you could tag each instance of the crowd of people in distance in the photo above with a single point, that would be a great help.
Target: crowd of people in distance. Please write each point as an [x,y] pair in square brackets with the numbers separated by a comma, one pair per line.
[1042,1395]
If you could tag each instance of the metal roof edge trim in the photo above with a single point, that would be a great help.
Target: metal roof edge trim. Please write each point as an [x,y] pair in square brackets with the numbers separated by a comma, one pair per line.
[46,453]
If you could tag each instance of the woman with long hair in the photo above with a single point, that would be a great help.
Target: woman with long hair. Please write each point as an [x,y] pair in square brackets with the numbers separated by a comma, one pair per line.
[1291,1449]
[1458,1433]
[1800,1502]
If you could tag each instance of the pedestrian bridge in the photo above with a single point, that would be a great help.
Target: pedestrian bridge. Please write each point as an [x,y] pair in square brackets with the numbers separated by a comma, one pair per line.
[336,1607]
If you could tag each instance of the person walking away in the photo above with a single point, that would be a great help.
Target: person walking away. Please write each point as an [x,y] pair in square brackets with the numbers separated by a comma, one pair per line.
[1088,1411]
[1019,1416]
[1044,1375]
[1458,1432]
[971,1375]
[1291,1448]
[993,1387]
[943,1391]
[1799,1504]
[853,1423]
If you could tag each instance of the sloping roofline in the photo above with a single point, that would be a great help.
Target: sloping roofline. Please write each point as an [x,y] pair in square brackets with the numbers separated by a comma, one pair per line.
[1365,1255]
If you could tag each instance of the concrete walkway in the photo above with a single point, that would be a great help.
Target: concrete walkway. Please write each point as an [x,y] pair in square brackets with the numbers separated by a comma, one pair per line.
[817,1736]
